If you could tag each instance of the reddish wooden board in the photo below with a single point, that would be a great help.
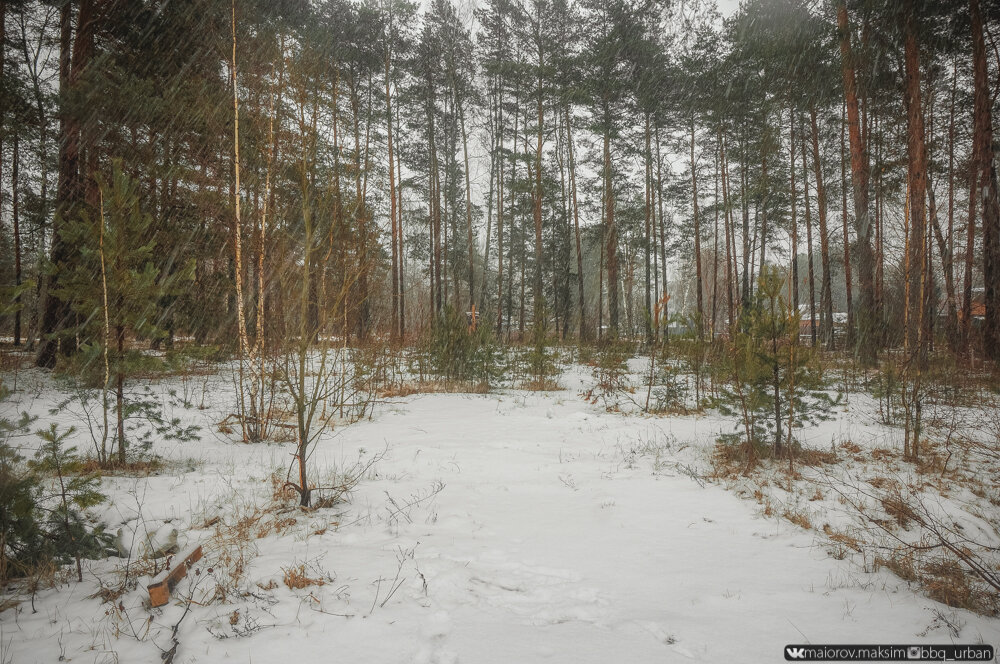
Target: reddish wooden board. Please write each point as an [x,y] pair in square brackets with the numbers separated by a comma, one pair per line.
[165,582]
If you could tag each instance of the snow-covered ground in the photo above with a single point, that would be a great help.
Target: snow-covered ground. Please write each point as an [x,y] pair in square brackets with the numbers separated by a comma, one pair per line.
[507,527]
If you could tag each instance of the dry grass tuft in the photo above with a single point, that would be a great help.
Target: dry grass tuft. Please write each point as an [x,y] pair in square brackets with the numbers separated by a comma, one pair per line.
[435,387]
[896,507]
[542,385]
[901,564]
[849,541]
[140,468]
[296,578]
[799,518]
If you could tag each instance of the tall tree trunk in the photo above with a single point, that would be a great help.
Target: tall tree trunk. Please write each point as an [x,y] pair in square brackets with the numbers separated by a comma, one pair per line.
[396,249]
[794,220]
[584,328]
[745,199]
[360,215]
[970,255]
[697,237]
[826,290]
[468,211]
[662,223]
[120,392]
[492,130]
[500,204]
[538,295]
[439,280]
[15,213]
[847,238]
[727,221]
[715,239]
[948,247]
[809,244]
[648,209]
[611,235]
[401,242]
[869,337]
[917,175]
[74,56]
[3,117]
[764,199]
[237,230]
[600,287]
[989,203]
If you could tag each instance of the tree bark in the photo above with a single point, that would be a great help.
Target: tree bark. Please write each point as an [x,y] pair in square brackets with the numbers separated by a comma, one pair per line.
[847,239]
[869,338]
[826,290]
[15,213]
[809,244]
[468,211]
[794,220]
[611,236]
[584,329]
[989,204]
[395,247]
[74,57]
[917,174]
[697,237]
[538,295]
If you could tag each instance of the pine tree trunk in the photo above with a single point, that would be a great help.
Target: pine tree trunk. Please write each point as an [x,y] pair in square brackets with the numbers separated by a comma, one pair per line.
[648,209]
[809,244]
[237,234]
[697,238]
[794,220]
[948,264]
[500,203]
[744,197]
[468,211]
[970,249]
[847,239]
[395,247]
[74,57]
[584,328]
[15,214]
[611,237]
[538,295]
[917,175]
[493,130]
[869,338]
[715,239]
[989,204]
[731,279]
[120,392]
[661,222]
[765,184]
[826,290]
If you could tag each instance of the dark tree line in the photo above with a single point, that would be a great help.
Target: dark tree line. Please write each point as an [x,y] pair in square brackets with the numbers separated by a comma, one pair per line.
[567,167]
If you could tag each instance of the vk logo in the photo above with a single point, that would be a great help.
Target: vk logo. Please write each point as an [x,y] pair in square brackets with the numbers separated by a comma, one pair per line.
[795,653]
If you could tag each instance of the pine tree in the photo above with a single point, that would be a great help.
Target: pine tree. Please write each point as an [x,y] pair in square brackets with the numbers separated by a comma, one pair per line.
[117,244]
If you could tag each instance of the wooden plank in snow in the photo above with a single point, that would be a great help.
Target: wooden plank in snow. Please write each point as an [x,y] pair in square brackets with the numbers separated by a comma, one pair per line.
[164,583]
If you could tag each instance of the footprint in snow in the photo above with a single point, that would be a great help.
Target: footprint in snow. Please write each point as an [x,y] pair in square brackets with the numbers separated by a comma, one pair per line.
[435,630]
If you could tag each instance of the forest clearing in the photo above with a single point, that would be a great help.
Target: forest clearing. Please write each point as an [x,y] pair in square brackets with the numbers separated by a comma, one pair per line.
[499,330]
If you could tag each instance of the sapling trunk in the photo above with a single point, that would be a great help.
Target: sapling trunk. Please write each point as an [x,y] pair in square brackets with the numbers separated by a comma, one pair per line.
[120,392]
[103,451]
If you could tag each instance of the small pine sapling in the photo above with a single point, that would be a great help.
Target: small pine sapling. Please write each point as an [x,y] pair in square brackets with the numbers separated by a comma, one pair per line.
[118,244]
[21,541]
[773,380]
[74,490]
[539,362]
[456,352]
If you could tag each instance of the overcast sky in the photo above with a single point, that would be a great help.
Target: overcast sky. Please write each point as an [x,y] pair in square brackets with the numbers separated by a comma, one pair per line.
[727,7]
